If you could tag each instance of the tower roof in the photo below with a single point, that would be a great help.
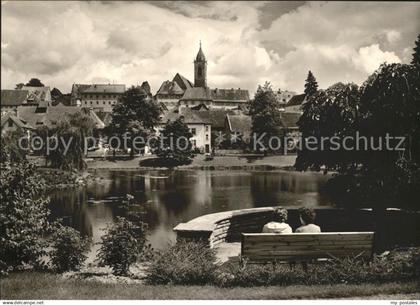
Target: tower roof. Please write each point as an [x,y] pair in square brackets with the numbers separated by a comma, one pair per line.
[200,55]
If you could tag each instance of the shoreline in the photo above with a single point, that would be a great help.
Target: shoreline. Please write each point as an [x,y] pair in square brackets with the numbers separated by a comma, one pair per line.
[268,163]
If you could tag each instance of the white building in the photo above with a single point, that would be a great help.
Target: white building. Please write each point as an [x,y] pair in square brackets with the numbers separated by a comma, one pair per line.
[100,97]
[199,127]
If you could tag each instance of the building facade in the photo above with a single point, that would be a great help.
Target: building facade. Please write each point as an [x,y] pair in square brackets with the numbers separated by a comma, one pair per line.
[170,92]
[99,97]
[199,127]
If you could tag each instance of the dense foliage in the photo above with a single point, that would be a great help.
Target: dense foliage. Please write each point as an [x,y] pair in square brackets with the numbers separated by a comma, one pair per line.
[68,249]
[70,134]
[174,146]
[416,55]
[23,216]
[34,82]
[135,115]
[122,245]
[265,114]
[185,263]
[373,171]
[397,266]
[191,263]
[328,113]
[11,151]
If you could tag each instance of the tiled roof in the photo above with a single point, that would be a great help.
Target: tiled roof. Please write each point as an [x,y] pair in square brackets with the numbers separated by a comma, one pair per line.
[240,123]
[13,97]
[18,121]
[197,93]
[170,88]
[182,82]
[214,117]
[53,114]
[146,87]
[103,88]
[216,95]
[38,94]
[230,95]
[296,100]
[76,89]
[190,117]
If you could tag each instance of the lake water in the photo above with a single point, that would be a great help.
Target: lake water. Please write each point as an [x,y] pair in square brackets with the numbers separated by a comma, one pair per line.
[163,199]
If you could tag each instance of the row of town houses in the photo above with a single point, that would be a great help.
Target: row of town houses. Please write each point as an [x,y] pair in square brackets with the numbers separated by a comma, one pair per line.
[208,112]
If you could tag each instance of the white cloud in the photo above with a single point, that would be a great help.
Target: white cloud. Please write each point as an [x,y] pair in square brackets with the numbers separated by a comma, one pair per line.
[129,42]
[371,57]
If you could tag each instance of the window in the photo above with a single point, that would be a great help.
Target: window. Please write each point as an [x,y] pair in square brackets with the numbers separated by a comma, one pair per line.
[91,102]
[97,103]
[10,123]
[207,128]
[193,131]
[207,137]
[109,102]
[104,102]
[200,71]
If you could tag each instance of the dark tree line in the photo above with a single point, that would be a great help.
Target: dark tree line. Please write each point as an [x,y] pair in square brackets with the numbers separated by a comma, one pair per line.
[386,105]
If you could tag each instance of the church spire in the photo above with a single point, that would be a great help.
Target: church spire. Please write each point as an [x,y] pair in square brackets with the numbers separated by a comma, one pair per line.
[200,55]
[200,69]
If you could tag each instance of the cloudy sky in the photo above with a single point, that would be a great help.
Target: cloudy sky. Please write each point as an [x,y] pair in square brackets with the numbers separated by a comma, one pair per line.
[245,43]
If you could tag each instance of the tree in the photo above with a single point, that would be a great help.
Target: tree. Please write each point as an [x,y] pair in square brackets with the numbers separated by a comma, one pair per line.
[311,85]
[135,114]
[328,113]
[416,55]
[387,105]
[265,114]
[122,245]
[23,216]
[174,146]
[34,82]
[75,128]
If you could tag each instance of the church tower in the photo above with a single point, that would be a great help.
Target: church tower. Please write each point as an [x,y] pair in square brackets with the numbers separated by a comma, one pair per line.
[200,69]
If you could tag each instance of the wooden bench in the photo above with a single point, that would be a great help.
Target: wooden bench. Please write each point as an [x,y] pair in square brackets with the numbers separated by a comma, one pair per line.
[263,247]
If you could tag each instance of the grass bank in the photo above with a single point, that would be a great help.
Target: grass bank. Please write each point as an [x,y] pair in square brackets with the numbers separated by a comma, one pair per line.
[33,285]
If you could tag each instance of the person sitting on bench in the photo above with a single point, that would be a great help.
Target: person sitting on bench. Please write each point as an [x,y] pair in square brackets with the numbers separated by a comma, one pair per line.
[307,219]
[278,225]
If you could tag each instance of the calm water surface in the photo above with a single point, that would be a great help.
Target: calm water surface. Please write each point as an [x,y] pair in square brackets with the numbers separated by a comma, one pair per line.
[165,198]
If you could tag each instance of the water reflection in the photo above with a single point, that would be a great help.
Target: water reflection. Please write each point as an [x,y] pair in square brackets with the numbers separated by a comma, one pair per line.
[165,198]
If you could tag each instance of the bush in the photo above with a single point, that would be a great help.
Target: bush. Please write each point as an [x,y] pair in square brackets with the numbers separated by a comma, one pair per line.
[249,275]
[174,146]
[122,245]
[185,263]
[68,249]
[23,217]
[395,266]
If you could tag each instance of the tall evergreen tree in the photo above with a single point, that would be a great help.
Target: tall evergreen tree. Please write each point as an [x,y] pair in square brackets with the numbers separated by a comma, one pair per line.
[416,54]
[311,85]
